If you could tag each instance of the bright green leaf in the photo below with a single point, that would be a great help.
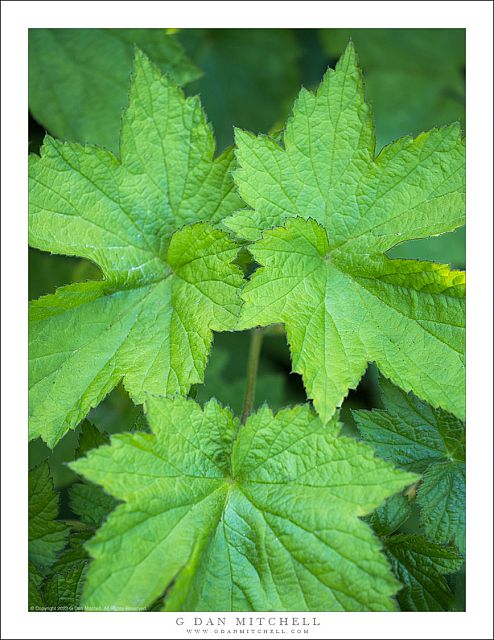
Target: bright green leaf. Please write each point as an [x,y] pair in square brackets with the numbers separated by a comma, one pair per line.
[79,78]
[325,274]
[420,566]
[414,78]
[47,536]
[166,286]
[422,439]
[262,518]
[342,311]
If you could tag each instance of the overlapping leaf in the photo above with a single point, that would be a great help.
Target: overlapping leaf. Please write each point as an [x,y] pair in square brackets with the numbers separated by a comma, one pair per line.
[420,438]
[420,565]
[165,286]
[389,517]
[62,588]
[88,501]
[35,595]
[325,273]
[261,518]
[47,536]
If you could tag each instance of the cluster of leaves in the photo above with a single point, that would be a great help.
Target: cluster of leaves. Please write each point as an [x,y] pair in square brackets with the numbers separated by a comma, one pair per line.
[57,558]
[278,513]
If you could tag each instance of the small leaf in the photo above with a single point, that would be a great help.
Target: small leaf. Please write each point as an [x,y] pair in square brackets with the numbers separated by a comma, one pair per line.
[420,566]
[63,587]
[441,496]
[47,536]
[390,516]
[420,438]
[90,503]
[90,437]
[35,596]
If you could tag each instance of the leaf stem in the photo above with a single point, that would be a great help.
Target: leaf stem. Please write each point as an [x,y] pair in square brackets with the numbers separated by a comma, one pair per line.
[256,336]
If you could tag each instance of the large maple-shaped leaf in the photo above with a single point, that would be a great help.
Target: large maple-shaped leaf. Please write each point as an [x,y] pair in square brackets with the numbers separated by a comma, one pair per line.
[325,274]
[165,286]
[265,517]
[420,438]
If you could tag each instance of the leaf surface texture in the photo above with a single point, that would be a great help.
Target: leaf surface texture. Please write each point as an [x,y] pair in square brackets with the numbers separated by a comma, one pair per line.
[261,518]
[325,273]
[148,222]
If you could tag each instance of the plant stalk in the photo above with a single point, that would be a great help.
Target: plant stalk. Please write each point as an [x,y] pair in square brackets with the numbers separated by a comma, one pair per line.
[256,336]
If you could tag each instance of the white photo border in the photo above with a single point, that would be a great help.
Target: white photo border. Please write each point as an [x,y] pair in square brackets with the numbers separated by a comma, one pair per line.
[476,17]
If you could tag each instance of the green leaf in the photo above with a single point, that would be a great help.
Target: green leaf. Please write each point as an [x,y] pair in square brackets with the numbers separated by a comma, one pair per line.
[414,78]
[166,286]
[88,501]
[422,439]
[35,578]
[344,303]
[420,566]
[251,76]
[90,437]
[239,519]
[326,170]
[390,516]
[78,78]
[47,536]
[48,272]
[342,311]
[63,587]
[441,496]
